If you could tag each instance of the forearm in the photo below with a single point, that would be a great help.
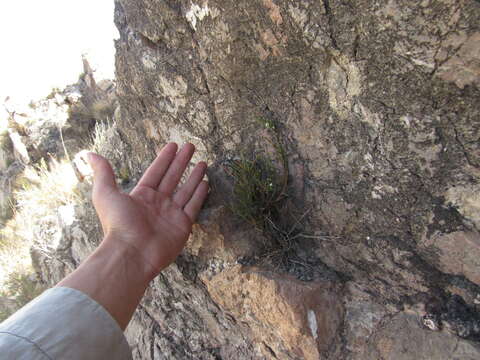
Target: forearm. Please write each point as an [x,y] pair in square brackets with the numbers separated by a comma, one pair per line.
[151,223]
[115,277]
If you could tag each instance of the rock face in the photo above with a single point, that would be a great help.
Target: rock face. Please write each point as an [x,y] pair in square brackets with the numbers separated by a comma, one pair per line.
[374,107]
[285,314]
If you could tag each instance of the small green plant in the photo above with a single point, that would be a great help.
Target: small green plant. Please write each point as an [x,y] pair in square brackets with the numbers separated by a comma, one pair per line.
[256,189]
[260,184]
[267,123]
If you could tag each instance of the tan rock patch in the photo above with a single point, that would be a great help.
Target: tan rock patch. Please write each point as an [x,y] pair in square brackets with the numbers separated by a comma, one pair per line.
[464,67]
[467,201]
[285,313]
[274,12]
[459,253]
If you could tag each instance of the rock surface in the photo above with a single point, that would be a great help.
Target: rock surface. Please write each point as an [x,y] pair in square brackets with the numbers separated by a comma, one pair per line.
[417,343]
[375,105]
[292,322]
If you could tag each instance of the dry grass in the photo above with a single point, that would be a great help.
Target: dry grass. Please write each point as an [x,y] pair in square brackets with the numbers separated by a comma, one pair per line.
[5,141]
[107,142]
[20,288]
[42,190]
[104,132]
[101,110]
[41,193]
[46,187]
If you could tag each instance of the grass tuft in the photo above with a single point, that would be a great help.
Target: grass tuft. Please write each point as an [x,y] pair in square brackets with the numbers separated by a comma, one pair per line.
[41,191]
[257,189]
[260,194]
[45,187]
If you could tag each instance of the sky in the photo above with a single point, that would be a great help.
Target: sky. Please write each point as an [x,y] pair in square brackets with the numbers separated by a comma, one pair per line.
[42,42]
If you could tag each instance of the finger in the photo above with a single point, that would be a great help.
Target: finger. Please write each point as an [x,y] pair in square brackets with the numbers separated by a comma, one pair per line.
[186,191]
[103,177]
[198,198]
[103,180]
[153,175]
[175,171]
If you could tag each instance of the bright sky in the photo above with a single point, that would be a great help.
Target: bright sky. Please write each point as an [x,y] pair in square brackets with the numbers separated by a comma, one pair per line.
[42,42]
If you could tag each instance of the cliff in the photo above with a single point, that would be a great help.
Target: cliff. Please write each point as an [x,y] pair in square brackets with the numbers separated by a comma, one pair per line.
[343,142]
[374,248]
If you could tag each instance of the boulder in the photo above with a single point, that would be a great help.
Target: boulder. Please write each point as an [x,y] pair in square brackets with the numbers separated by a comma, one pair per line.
[374,106]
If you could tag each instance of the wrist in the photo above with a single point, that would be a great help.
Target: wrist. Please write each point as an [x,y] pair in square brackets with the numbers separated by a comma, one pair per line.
[122,256]
[115,277]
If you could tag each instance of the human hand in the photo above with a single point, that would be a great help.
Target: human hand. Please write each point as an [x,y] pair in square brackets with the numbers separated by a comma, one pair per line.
[153,220]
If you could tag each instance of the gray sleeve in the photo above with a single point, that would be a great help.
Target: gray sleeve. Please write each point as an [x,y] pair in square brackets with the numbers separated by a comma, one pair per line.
[62,323]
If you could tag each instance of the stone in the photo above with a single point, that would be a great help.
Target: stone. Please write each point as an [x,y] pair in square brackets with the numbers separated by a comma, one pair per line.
[402,338]
[363,318]
[463,68]
[292,321]
[456,253]
[467,200]
[367,101]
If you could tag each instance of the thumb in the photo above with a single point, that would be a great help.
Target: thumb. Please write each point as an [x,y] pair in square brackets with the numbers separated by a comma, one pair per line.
[103,177]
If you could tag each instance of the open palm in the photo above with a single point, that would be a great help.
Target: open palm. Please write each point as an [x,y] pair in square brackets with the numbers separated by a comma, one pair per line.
[153,219]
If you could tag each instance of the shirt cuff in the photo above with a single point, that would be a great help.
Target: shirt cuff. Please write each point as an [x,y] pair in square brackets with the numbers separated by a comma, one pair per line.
[65,323]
